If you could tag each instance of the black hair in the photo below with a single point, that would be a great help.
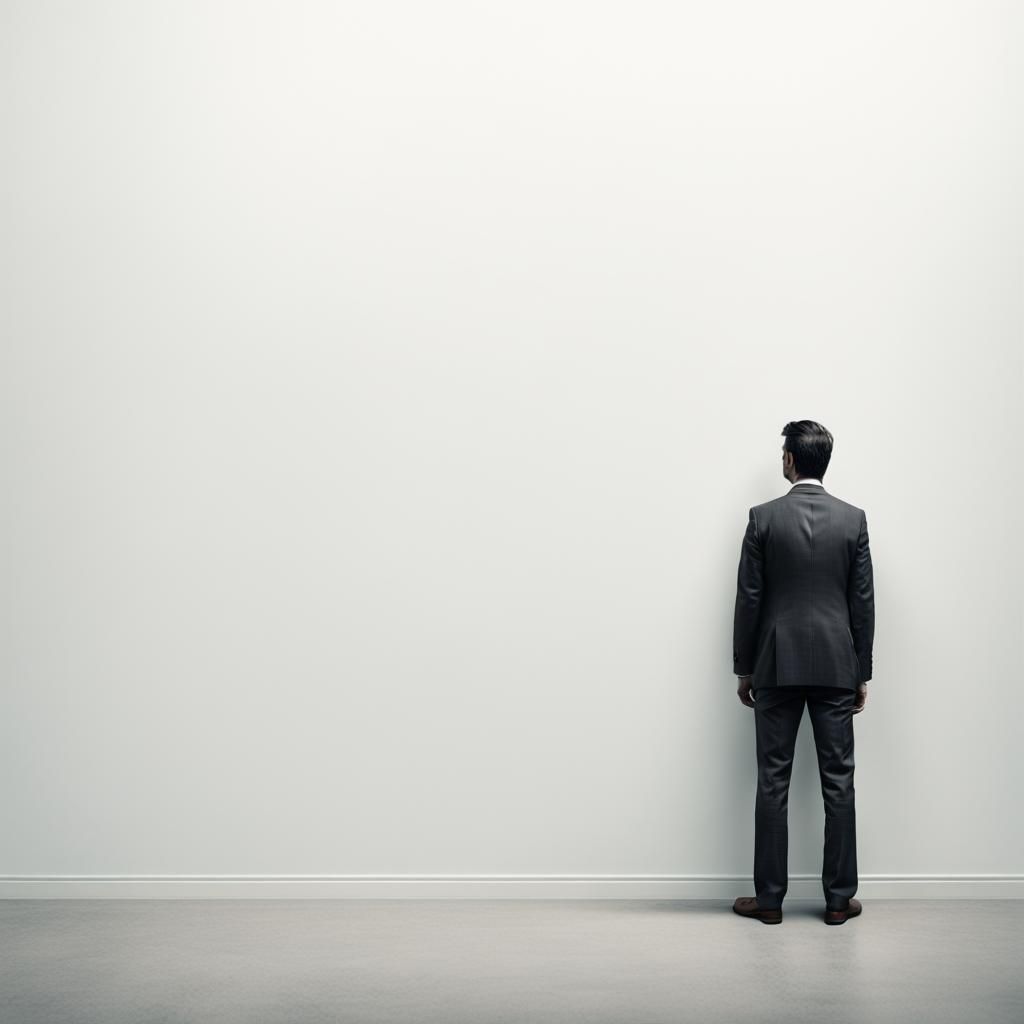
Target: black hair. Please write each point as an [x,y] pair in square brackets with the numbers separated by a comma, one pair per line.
[811,445]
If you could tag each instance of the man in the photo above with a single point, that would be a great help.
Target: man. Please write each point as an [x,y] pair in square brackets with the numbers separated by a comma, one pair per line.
[802,634]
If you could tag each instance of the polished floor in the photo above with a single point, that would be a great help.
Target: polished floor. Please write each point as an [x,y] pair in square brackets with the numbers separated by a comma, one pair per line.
[481,961]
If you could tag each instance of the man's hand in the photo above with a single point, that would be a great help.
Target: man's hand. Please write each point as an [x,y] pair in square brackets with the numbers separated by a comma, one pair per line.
[862,696]
[743,690]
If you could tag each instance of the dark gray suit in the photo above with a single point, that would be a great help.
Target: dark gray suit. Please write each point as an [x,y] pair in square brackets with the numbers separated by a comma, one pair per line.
[803,628]
[805,602]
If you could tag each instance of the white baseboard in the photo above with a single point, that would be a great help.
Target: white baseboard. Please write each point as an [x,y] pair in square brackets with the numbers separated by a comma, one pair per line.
[634,887]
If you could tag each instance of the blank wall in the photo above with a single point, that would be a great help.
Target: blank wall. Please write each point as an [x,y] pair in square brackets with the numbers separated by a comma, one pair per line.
[384,389]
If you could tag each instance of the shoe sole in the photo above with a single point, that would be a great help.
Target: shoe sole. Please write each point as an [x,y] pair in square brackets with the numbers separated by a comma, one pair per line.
[844,918]
[758,917]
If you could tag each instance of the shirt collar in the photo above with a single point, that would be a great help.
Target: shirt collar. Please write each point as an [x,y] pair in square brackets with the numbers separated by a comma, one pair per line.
[808,480]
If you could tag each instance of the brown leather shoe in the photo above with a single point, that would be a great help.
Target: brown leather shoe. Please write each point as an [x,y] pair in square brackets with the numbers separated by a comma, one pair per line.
[839,916]
[746,906]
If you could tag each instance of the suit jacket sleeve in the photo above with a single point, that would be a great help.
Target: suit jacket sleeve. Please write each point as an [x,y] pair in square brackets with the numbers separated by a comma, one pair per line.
[749,591]
[860,596]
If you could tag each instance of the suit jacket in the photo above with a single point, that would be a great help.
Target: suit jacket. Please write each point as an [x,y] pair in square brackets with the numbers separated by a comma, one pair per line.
[805,601]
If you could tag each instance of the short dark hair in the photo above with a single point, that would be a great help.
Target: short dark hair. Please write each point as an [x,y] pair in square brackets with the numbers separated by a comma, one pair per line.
[811,445]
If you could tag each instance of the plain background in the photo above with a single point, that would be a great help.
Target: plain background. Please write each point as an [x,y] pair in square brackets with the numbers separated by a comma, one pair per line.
[384,389]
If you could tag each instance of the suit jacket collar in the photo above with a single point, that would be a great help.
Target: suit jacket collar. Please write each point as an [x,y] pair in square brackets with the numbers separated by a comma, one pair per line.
[801,486]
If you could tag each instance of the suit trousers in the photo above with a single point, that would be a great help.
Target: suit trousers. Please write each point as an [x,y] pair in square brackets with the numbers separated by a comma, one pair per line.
[777,714]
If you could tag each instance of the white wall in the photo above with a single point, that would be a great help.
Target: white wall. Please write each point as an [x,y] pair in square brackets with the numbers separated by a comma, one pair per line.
[385,386]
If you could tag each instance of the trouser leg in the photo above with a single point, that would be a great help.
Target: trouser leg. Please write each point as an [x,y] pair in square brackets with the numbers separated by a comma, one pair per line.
[777,714]
[831,712]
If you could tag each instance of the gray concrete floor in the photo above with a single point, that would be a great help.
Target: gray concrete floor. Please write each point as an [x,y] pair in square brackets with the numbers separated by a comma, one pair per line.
[482,961]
